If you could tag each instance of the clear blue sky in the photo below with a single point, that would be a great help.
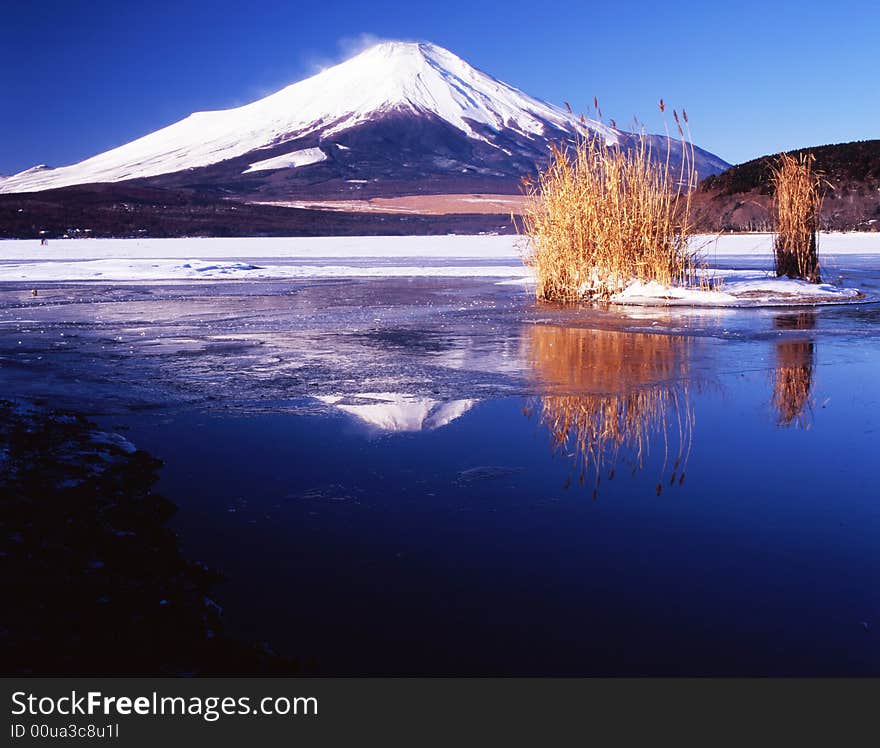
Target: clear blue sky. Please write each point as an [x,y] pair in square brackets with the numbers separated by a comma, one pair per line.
[77,78]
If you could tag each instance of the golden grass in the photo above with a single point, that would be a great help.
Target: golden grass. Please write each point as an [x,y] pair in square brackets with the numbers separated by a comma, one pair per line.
[797,201]
[608,393]
[602,215]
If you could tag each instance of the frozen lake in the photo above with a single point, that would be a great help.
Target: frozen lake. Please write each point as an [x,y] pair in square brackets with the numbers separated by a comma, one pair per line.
[426,474]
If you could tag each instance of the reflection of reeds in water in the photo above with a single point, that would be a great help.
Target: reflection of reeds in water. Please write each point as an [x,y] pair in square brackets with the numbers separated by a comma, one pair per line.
[793,376]
[608,394]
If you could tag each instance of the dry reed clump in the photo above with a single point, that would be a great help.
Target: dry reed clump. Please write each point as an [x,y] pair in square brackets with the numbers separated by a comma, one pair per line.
[602,215]
[797,201]
[609,392]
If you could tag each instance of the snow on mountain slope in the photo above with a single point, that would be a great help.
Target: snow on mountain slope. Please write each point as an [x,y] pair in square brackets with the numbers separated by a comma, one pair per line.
[412,77]
[305,157]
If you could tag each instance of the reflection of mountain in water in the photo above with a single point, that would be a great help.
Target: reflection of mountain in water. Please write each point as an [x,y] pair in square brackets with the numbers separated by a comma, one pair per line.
[607,395]
[793,376]
[391,411]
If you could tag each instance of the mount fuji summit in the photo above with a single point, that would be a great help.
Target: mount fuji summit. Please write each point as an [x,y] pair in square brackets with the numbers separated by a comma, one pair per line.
[400,118]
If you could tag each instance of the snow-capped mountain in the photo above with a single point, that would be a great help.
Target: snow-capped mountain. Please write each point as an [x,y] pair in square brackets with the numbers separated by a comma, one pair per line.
[398,112]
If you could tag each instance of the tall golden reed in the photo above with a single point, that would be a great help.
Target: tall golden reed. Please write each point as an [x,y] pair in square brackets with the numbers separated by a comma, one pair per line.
[603,214]
[797,201]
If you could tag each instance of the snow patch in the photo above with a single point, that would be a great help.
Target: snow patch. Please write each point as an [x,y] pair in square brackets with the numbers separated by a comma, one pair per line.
[729,288]
[737,288]
[303,157]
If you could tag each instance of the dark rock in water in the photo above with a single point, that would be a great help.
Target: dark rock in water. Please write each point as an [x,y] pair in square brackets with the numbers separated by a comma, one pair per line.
[89,556]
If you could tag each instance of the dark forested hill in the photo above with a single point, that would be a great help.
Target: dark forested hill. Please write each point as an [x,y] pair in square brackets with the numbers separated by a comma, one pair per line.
[739,199]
